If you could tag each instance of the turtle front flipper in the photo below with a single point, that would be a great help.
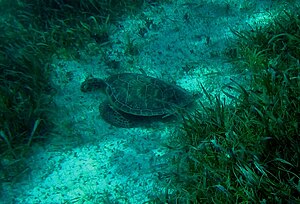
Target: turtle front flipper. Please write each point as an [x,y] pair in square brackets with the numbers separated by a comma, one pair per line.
[93,84]
[124,120]
[114,117]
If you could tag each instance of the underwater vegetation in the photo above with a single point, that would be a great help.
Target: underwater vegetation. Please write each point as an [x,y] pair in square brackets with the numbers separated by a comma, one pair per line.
[248,150]
[25,94]
[71,25]
[242,152]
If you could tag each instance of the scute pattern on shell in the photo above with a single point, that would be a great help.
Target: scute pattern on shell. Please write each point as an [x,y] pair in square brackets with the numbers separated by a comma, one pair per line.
[142,95]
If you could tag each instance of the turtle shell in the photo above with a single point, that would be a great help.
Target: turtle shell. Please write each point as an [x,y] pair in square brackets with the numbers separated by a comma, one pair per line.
[142,95]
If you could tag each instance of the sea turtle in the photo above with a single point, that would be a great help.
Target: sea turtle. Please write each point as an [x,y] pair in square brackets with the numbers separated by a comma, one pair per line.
[136,98]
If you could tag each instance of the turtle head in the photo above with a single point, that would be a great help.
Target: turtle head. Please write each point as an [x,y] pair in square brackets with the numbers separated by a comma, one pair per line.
[93,84]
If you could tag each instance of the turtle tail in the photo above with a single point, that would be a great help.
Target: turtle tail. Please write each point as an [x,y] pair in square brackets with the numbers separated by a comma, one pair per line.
[93,84]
